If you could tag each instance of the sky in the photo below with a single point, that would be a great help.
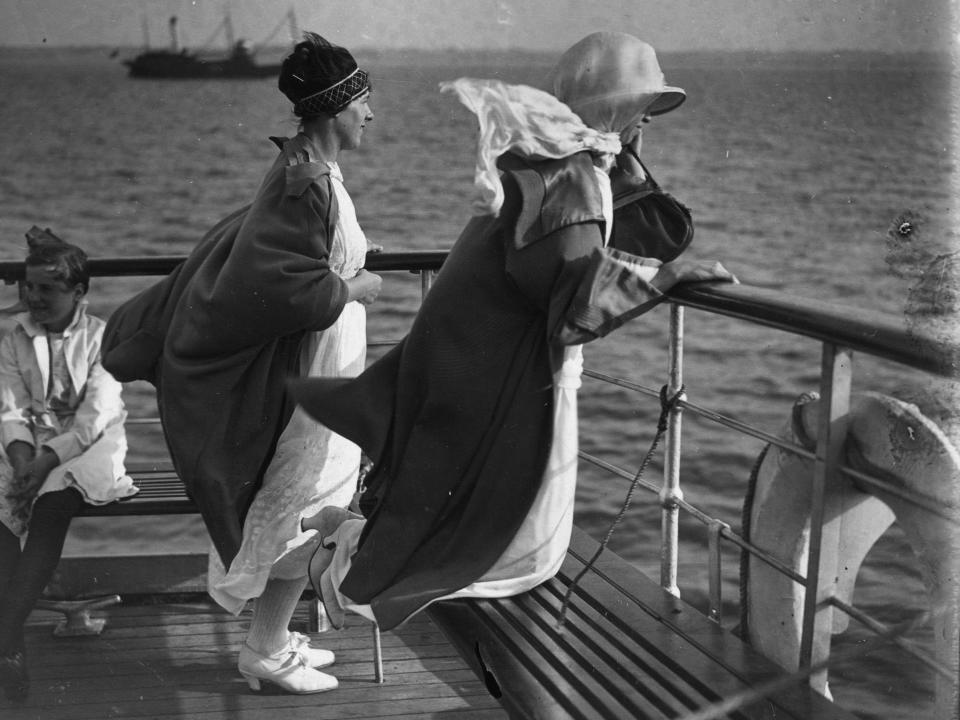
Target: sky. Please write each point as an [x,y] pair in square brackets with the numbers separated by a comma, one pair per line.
[883,25]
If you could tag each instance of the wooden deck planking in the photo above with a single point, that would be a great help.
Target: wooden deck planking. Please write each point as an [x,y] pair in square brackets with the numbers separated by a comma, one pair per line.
[179,661]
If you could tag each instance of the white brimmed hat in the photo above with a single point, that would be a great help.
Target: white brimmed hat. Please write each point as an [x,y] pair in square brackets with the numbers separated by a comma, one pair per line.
[611,80]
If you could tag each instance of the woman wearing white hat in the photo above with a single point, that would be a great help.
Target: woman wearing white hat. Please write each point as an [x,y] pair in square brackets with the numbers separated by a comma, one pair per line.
[471,419]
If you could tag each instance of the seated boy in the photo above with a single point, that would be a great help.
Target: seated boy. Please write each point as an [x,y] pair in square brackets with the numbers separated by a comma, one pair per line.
[61,432]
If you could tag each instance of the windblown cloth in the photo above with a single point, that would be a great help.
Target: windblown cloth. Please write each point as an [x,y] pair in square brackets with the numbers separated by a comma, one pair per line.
[237,315]
[526,121]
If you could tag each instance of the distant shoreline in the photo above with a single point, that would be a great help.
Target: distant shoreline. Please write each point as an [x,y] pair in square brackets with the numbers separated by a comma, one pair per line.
[838,59]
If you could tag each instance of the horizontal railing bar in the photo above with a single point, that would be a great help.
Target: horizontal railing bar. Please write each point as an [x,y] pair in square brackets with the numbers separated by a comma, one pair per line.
[699,515]
[880,629]
[858,329]
[12,271]
[618,471]
[763,555]
[620,382]
[707,414]
[921,501]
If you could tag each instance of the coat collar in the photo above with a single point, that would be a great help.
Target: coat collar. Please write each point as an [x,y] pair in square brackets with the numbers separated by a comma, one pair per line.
[551,194]
[303,165]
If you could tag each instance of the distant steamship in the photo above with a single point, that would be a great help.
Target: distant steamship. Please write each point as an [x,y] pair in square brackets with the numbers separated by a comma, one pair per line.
[178,63]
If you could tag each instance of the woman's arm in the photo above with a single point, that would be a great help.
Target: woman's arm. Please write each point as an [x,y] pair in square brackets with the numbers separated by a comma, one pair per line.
[586,290]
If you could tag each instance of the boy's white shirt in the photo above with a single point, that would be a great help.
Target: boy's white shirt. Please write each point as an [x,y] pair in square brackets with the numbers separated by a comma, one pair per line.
[25,377]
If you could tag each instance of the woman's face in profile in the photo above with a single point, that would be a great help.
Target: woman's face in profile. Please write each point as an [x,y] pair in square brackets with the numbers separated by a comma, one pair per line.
[352,120]
[633,135]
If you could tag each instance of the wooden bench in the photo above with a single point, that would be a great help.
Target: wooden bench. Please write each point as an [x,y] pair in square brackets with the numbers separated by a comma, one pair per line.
[628,649]
[160,493]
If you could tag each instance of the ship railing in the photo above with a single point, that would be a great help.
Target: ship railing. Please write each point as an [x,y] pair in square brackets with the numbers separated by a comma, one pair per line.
[841,331]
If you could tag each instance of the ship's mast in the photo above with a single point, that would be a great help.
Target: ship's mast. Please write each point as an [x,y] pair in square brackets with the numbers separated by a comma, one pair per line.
[174,41]
[294,30]
[228,29]
[292,20]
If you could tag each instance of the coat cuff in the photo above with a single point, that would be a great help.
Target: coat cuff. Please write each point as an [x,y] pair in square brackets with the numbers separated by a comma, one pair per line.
[66,446]
[615,288]
[11,432]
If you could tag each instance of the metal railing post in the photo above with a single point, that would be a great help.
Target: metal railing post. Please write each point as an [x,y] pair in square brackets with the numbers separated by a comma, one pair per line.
[715,568]
[426,280]
[826,515]
[670,493]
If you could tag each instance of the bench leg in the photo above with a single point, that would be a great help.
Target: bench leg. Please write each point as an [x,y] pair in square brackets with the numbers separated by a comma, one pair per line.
[77,620]
[319,622]
[377,655]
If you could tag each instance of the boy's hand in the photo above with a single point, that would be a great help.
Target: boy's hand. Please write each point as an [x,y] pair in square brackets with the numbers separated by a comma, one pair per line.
[30,478]
[19,453]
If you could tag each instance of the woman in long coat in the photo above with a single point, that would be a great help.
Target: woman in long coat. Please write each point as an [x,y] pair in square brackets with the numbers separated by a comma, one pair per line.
[273,291]
[471,420]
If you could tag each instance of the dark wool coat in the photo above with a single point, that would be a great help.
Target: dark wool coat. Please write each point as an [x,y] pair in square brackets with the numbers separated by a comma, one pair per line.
[237,312]
[458,417]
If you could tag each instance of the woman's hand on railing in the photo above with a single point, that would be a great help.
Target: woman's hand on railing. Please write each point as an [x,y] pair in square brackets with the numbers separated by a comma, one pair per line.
[363,287]
[680,271]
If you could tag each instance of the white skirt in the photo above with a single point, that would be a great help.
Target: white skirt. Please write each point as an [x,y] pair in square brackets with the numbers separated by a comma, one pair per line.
[311,468]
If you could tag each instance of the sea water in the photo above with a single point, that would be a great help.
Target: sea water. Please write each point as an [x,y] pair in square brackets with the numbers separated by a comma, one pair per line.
[795,167]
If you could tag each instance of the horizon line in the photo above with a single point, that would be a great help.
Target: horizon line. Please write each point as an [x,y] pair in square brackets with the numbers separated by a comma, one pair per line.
[491,49]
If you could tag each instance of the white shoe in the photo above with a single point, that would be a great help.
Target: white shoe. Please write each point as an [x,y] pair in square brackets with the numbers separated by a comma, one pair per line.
[287,669]
[314,656]
[327,520]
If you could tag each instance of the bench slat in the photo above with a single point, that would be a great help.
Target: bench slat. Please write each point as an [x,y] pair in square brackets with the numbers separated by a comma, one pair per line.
[689,628]
[592,666]
[628,649]
[160,493]
[619,655]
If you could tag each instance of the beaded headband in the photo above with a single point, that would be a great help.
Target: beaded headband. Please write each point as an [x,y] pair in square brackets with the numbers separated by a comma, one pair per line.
[336,97]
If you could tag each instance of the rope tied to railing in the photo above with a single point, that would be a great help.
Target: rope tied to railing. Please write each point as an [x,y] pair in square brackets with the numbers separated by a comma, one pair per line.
[667,406]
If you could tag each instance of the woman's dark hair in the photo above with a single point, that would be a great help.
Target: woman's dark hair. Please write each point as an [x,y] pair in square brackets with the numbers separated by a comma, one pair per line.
[70,262]
[314,65]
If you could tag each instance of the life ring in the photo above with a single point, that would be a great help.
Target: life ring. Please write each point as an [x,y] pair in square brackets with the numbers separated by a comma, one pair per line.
[885,437]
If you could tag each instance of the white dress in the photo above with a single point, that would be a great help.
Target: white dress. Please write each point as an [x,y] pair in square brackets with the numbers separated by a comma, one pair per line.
[538,549]
[312,466]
